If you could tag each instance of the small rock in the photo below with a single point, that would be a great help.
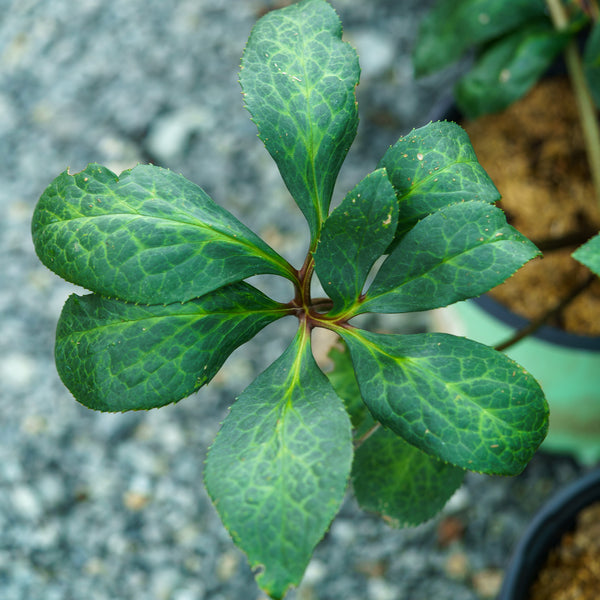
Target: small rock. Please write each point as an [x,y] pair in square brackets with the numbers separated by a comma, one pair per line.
[372,568]
[457,566]
[315,573]
[343,531]
[460,500]
[380,589]
[376,51]
[26,503]
[227,565]
[34,424]
[188,594]
[450,529]
[171,132]
[135,500]
[487,582]
[17,370]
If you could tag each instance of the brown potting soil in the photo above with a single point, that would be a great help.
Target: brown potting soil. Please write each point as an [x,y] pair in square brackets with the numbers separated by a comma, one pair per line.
[572,571]
[534,153]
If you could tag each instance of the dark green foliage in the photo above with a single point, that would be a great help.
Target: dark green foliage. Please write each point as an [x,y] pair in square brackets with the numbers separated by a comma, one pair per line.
[514,42]
[166,267]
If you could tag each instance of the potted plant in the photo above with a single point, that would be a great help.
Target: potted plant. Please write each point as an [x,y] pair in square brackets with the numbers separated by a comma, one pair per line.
[403,416]
[552,558]
[514,45]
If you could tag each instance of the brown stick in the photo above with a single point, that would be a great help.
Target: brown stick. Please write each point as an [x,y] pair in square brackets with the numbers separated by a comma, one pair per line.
[534,325]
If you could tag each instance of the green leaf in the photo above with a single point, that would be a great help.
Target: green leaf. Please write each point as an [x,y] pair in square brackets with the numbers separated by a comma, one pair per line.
[434,166]
[298,80]
[453,26]
[455,399]
[591,63]
[384,481]
[458,252]
[147,236]
[343,380]
[589,254]
[509,68]
[278,470]
[115,356]
[354,236]
[384,467]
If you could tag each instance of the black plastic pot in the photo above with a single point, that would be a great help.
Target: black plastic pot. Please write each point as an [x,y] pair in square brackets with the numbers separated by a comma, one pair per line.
[555,519]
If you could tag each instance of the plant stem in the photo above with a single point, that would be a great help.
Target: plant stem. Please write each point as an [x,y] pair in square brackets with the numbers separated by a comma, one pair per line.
[534,325]
[589,7]
[365,436]
[585,104]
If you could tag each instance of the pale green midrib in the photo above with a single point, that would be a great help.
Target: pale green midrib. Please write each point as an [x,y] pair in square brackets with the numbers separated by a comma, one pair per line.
[282,408]
[282,267]
[429,176]
[188,316]
[369,299]
[151,193]
[314,192]
[193,220]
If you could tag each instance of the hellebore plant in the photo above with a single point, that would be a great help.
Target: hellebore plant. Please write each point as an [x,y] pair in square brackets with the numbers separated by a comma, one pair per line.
[403,416]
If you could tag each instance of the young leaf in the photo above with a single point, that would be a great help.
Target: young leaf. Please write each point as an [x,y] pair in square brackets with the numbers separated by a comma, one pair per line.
[589,254]
[455,399]
[279,467]
[458,252]
[354,236]
[115,356]
[453,26]
[298,80]
[147,236]
[384,467]
[434,166]
[508,69]
[383,478]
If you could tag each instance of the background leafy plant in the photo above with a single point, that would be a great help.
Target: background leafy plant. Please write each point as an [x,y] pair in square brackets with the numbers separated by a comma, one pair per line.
[514,44]
[166,267]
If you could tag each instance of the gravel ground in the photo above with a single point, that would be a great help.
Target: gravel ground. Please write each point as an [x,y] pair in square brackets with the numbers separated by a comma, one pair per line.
[100,506]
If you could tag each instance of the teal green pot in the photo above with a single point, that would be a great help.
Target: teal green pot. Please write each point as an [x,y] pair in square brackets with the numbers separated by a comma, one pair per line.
[566,366]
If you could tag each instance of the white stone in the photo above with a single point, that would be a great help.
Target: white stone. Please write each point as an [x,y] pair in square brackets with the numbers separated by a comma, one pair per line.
[375,50]
[171,132]
[17,370]
[26,503]
[380,589]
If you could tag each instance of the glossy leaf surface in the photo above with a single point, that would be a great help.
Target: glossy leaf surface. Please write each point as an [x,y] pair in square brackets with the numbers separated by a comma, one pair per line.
[385,481]
[458,252]
[278,470]
[453,26]
[384,467]
[455,399]
[434,166]
[298,79]
[354,236]
[148,236]
[116,356]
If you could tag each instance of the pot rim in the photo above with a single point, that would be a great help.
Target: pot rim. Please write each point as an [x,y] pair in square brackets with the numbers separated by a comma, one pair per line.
[446,110]
[544,532]
[548,333]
